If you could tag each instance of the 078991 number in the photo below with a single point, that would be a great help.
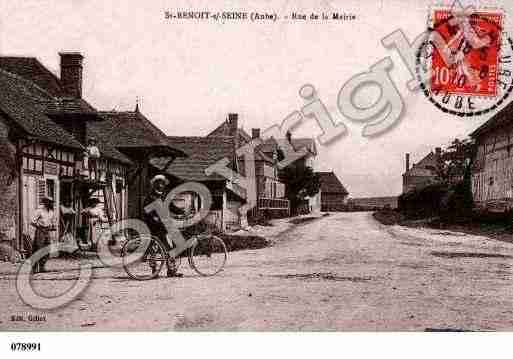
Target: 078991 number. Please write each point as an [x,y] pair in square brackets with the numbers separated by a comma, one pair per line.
[25,347]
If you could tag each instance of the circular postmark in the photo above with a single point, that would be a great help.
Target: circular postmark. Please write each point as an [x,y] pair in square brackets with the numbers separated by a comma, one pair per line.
[465,64]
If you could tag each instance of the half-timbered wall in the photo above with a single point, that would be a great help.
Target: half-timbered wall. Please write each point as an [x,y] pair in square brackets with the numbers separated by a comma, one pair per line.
[492,177]
[8,185]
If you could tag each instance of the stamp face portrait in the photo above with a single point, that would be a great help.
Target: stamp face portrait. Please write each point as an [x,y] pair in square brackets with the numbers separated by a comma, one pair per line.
[464,66]
[475,43]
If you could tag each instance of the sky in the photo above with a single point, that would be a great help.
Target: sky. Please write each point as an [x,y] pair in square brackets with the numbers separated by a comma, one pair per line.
[188,75]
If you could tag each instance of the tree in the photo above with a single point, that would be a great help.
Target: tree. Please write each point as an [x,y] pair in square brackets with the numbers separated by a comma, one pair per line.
[455,169]
[456,160]
[300,182]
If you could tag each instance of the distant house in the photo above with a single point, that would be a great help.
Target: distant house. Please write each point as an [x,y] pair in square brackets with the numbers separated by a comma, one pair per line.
[202,152]
[492,173]
[271,147]
[333,194]
[371,203]
[270,192]
[422,173]
[228,197]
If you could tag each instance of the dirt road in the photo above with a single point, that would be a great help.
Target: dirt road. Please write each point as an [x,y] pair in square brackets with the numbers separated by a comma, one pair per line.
[341,272]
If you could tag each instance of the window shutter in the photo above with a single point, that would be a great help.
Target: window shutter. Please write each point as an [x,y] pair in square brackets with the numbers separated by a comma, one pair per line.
[41,191]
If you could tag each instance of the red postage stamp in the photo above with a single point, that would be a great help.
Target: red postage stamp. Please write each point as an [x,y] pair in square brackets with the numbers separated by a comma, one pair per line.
[467,50]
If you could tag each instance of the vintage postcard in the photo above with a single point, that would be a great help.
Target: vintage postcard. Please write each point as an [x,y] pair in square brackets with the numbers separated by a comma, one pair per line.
[256,166]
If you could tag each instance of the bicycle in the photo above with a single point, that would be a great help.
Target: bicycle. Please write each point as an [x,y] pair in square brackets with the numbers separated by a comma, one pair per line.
[207,255]
[86,244]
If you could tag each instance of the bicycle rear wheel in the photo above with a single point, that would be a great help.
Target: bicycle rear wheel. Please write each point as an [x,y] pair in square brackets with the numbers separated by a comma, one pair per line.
[143,260]
[208,255]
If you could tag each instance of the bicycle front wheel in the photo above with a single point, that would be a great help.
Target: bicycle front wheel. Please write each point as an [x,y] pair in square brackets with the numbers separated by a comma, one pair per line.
[143,261]
[208,255]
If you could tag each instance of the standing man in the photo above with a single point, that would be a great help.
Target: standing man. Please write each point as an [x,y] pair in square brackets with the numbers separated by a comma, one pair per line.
[159,184]
[44,221]
[92,155]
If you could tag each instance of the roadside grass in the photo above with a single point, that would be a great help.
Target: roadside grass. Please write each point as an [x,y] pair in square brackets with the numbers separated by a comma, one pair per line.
[301,220]
[498,226]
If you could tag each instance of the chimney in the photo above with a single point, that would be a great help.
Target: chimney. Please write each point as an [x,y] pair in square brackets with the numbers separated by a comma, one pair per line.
[289,137]
[233,123]
[407,162]
[255,133]
[438,151]
[71,73]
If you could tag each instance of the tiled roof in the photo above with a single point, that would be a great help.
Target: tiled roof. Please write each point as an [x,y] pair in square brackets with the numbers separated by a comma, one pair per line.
[32,99]
[330,183]
[503,117]
[425,167]
[201,153]
[69,105]
[224,130]
[25,104]
[420,172]
[297,143]
[31,69]
[129,129]
[104,144]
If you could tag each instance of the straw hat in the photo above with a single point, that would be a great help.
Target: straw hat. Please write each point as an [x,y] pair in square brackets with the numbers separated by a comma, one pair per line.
[159,178]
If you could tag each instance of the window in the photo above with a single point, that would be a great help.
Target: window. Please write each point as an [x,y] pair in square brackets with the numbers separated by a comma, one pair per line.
[50,188]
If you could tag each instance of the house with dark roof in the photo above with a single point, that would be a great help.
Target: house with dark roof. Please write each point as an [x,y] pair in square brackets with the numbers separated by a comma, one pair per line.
[134,135]
[492,171]
[333,194]
[423,173]
[221,143]
[45,126]
[201,153]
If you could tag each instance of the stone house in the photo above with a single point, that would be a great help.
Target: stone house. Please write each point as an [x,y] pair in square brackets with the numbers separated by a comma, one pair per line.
[422,173]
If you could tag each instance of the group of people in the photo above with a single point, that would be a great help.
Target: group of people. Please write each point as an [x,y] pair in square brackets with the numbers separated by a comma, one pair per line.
[44,221]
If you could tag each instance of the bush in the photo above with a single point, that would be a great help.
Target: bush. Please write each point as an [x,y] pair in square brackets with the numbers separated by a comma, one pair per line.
[236,242]
[451,203]
[388,216]
[426,202]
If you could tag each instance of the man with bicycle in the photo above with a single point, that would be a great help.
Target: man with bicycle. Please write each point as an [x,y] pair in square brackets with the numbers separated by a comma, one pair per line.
[159,184]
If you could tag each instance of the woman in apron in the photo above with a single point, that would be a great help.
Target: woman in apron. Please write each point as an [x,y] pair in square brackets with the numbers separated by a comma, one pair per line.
[96,217]
[44,222]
